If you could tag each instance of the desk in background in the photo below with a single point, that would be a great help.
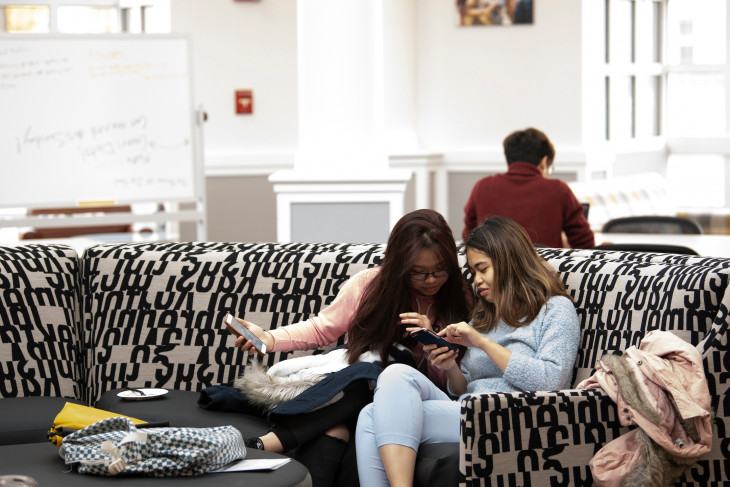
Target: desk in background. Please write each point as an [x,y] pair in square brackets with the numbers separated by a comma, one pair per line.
[705,245]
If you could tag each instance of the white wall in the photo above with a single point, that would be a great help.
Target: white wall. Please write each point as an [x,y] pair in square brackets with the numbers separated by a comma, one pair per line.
[243,45]
[473,84]
[477,84]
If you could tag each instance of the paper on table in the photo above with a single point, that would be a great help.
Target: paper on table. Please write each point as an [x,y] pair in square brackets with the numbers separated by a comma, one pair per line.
[254,464]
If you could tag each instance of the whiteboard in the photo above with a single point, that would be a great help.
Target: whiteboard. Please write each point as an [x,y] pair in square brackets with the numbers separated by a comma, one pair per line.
[90,119]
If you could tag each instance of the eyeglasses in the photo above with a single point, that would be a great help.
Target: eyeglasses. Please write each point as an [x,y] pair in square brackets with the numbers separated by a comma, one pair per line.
[422,276]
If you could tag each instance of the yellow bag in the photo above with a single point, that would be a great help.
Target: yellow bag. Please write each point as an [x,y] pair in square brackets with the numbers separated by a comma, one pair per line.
[75,417]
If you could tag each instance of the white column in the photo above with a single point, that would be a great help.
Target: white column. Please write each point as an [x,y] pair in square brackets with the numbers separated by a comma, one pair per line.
[401,68]
[341,92]
[342,155]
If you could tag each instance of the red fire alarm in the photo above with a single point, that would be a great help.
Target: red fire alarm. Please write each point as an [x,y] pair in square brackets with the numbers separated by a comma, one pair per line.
[244,101]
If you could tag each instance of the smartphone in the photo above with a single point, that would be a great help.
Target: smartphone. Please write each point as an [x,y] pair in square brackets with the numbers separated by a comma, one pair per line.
[428,337]
[237,328]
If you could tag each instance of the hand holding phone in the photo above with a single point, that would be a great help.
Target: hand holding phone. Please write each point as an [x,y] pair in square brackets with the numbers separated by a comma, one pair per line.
[238,329]
[429,337]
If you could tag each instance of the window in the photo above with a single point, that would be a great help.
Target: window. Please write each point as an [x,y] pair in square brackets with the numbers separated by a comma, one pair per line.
[665,75]
[27,18]
[82,19]
[633,69]
[697,101]
[696,55]
[85,16]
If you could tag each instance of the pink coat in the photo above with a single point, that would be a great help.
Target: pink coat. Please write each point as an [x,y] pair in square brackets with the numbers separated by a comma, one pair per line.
[668,373]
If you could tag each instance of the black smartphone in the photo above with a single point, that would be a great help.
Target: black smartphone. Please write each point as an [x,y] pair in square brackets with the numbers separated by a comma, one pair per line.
[237,328]
[429,337]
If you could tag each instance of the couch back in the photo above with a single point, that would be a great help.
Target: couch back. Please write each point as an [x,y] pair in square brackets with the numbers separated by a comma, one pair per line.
[152,314]
[39,341]
[621,296]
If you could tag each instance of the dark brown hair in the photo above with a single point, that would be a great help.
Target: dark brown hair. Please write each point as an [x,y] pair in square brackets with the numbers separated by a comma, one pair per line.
[529,145]
[376,324]
[522,280]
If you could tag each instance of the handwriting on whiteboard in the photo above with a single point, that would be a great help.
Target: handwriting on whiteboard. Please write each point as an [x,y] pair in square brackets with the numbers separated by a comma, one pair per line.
[116,142]
[112,63]
[141,182]
[14,71]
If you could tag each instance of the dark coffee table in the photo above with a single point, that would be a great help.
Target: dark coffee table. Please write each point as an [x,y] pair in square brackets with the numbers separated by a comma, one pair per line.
[42,462]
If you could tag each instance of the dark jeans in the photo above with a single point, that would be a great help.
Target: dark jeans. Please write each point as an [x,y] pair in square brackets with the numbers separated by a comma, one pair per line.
[330,461]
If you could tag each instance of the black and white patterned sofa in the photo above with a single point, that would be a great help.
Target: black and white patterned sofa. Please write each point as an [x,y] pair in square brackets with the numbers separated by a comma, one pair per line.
[149,315]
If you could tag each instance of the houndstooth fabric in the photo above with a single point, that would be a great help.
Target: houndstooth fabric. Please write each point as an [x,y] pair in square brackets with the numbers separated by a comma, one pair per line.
[116,446]
[39,343]
[548,438]
[153,313]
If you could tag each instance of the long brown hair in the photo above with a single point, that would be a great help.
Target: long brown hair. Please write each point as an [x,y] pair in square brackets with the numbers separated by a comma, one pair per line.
[522,280]
[376,324]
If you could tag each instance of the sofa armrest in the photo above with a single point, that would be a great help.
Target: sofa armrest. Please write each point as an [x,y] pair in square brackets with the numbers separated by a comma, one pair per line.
[535,438]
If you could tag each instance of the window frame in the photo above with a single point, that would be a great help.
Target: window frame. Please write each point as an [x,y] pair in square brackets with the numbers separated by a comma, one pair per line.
[131,14]
[630,71]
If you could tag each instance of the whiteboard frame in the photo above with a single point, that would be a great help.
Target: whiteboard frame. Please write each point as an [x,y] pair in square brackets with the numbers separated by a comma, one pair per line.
[197,118]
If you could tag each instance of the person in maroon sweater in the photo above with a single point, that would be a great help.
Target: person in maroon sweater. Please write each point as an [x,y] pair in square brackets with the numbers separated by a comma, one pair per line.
[546,208]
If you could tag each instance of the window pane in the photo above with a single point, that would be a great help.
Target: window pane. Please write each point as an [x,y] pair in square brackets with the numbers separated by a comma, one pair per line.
[648,93]
[620,107]
[697,180]
[696,32]
[87,20]
[31,19]
[695,104]
[648,32]
[620,31]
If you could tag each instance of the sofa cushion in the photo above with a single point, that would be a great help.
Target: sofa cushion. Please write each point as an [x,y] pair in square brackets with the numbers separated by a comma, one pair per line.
[43,463]
[28,419]
[152,313]
[180,408]
[39,343]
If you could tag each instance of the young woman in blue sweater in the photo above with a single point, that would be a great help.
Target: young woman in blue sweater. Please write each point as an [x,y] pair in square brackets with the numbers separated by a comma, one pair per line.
[523,336]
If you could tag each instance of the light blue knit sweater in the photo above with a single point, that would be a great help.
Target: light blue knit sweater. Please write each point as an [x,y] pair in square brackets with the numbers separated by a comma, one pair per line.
[543,353]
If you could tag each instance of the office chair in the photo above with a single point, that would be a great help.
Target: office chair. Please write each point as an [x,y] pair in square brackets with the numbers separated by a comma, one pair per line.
[652,224]
[652,248]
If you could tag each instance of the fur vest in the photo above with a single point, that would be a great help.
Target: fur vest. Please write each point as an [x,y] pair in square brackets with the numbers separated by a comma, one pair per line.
[661,388]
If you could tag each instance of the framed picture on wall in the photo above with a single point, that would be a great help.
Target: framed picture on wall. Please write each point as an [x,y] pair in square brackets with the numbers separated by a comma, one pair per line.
[494,12]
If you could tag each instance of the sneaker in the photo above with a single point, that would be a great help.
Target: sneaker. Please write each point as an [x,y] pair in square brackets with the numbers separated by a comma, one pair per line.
[254,443]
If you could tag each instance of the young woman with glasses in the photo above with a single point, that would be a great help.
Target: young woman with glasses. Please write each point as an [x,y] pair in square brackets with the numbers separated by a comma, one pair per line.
[418,285]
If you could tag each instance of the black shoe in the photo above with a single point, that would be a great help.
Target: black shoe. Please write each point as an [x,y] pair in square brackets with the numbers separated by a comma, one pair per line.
[254,443]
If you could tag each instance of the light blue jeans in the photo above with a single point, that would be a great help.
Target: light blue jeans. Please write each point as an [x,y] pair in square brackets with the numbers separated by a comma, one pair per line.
[407,409]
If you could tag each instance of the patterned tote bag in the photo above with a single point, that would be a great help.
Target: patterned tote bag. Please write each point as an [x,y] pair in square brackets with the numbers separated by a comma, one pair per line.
[116,446]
